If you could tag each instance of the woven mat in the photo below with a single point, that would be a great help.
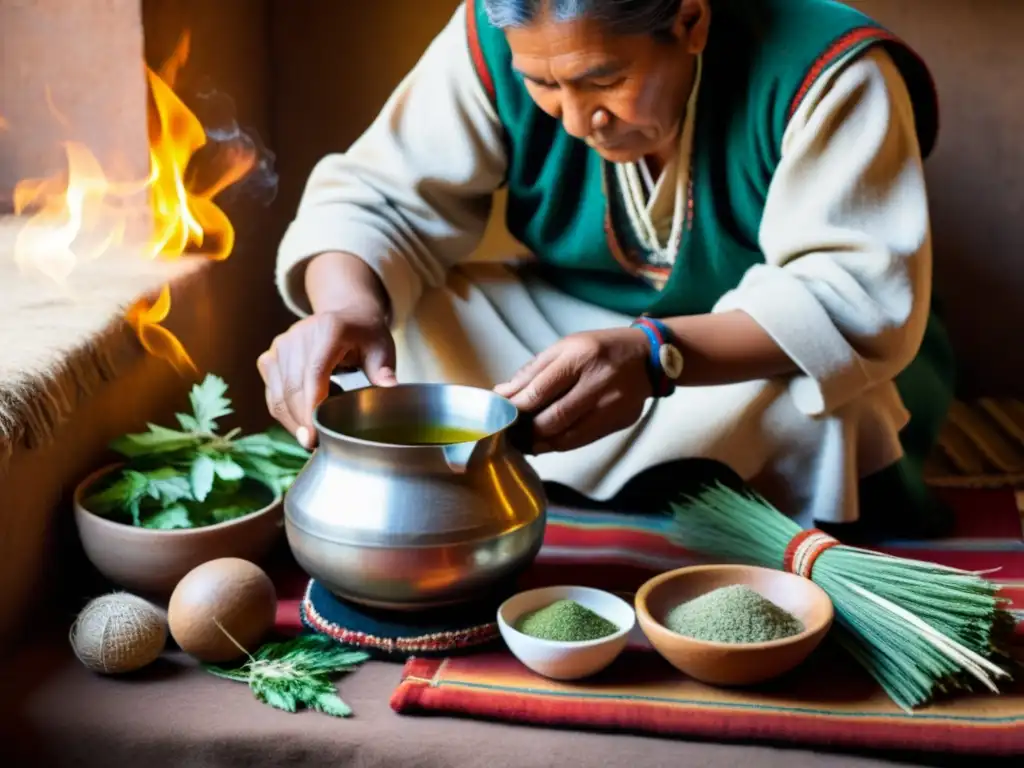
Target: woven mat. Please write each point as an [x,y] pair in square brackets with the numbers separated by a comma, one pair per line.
[828,701]
[981,446]
[60,343]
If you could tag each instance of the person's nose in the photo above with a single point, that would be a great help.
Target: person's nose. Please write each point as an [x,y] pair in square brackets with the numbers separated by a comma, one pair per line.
[577,116]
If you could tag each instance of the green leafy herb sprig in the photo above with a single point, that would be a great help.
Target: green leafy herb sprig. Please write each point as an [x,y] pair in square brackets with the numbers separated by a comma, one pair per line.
[194,476]
[297,673]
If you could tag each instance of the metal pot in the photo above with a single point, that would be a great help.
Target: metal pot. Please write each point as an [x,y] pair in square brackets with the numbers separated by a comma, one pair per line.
[413,526]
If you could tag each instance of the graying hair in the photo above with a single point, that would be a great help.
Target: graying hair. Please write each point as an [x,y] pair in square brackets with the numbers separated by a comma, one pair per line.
[636,17]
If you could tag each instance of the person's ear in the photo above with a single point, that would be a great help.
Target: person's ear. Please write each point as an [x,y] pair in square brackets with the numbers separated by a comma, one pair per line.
[692,23]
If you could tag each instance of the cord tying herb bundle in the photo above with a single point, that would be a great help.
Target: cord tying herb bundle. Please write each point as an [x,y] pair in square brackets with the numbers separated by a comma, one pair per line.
[194,476]
[920,629]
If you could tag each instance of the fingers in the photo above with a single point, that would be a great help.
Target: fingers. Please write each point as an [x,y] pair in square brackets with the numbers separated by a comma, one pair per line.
[296,369]
[301,357]
[546,387]
[610,414]
[379,363]
[314,391]
[542,380]
[320,360]
[525,375]
[573,405]
[274,391]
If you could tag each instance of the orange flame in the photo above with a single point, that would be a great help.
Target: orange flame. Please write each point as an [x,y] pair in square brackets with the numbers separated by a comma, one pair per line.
[82,214]
[145,318]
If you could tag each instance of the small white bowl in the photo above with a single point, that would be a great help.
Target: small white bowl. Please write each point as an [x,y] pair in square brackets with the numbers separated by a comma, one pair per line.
[566,660]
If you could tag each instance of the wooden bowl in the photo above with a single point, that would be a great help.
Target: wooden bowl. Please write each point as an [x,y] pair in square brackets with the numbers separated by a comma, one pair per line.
[150,563]
[733,664]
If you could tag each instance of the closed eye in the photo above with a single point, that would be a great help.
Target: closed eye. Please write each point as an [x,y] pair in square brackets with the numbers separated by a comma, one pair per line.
[599,77]
[540,83]
[607,84]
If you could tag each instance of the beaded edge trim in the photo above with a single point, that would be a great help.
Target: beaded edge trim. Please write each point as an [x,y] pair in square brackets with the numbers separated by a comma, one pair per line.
[432,643]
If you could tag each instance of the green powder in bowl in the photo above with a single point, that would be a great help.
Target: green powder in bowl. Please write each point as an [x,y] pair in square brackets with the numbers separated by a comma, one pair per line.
[565,620]
[734,614]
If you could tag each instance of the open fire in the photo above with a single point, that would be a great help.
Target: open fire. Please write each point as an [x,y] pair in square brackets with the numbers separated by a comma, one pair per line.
[85,212]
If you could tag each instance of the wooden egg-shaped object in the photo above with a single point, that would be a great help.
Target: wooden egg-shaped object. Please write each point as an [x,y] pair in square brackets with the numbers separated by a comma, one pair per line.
[222,609]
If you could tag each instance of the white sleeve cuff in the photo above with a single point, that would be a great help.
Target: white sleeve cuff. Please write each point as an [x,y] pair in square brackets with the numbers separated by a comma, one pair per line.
[791,314]
[346,229]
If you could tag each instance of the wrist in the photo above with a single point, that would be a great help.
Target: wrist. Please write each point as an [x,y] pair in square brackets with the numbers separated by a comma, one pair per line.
[342,282]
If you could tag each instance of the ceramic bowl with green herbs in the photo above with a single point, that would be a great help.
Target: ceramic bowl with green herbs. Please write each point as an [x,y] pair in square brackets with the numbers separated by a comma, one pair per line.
[566,632]
[186,495]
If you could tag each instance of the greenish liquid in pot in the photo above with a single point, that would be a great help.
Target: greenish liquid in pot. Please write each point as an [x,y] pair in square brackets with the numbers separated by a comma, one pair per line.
[419,434]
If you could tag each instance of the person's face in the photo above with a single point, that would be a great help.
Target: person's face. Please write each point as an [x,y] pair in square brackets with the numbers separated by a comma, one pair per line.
[624,95]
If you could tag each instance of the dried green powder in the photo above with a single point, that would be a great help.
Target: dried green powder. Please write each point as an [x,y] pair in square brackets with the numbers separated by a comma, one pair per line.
[565,620]
[734,614]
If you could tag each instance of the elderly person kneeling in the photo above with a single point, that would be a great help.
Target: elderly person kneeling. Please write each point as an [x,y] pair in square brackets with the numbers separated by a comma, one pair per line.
[730,254]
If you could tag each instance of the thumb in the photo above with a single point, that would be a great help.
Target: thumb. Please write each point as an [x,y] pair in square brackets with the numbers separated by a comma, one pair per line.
[379,363]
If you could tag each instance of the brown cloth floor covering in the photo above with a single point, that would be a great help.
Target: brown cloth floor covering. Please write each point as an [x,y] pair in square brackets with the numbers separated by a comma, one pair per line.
[54,713]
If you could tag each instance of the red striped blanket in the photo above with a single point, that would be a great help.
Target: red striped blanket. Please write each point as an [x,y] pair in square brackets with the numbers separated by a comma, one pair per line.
[829,701]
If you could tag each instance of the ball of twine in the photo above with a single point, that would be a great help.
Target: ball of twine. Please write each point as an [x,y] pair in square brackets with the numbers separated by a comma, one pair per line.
[119,632]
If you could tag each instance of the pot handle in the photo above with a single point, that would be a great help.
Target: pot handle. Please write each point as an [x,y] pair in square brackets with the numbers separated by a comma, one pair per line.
[347,379]
[520,433]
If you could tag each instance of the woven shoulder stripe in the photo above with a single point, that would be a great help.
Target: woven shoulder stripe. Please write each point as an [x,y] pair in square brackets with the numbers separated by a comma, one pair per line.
[848,42]
[476,53]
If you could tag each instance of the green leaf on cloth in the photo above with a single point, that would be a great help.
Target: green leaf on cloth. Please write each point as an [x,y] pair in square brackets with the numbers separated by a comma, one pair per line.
[296,673]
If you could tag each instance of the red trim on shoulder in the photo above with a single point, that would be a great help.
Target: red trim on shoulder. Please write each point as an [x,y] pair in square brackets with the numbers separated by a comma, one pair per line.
[870,34]
[839,48]
[476,53]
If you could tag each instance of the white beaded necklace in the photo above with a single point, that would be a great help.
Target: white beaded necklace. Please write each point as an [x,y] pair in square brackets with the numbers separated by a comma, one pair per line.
[630,183]
[632,177]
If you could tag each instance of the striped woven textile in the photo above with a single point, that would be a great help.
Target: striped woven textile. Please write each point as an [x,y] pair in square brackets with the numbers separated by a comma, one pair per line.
[827,702]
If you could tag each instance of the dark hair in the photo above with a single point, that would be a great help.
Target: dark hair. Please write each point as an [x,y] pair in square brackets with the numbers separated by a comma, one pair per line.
[627,17]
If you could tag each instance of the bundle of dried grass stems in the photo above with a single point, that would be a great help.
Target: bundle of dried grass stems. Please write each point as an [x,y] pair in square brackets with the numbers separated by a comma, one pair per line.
[922,630]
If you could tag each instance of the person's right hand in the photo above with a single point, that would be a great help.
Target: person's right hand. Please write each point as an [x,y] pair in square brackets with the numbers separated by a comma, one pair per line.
[296,369]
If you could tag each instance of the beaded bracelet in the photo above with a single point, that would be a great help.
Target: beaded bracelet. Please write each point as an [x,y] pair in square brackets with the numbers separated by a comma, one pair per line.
[665,362]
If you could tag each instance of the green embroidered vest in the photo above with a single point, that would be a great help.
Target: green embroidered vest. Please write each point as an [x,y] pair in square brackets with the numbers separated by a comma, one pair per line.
[762,58]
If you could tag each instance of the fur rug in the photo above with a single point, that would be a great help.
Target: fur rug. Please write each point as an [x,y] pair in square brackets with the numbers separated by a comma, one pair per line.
[61,342]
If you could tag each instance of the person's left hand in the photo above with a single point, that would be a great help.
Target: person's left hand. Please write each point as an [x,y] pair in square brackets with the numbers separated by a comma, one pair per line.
[582,388]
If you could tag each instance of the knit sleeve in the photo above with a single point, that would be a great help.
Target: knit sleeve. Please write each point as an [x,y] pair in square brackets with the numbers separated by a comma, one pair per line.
[845,287]
[412,196]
